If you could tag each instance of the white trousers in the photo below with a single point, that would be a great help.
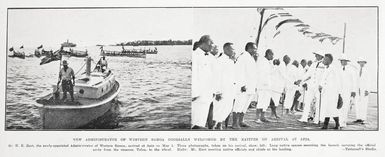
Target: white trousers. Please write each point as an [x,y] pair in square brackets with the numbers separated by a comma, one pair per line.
[199,111]
[276,97]
[343,112]
[222,108]
[310,95]
[242,102]
[362,107]
[308,98]
[289,97]
[264,97]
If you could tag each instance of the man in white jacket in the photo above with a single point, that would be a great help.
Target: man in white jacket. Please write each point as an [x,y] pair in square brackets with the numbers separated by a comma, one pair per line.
[303,68]
[225,81]
[348,76]
[310,82]
[216,67]
[330,87]
[363,92]
[264,84]
[245,84]
[202,89]
[293,92]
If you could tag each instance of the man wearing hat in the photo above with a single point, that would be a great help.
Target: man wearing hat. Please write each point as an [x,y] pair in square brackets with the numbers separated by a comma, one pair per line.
[65,76]
[363,92]
[348,78]
[310,82]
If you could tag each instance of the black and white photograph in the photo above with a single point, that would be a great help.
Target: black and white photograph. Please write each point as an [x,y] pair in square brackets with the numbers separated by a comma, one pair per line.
[277,68]
[192,78]
[98,68]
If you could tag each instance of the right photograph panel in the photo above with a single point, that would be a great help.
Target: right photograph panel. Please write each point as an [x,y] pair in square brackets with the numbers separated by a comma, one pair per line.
[295,68]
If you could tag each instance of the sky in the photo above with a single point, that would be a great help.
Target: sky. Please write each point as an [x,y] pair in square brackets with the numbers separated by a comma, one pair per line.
[240,25]
[86,27]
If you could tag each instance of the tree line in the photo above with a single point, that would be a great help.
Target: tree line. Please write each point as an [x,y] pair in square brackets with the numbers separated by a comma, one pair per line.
[155,42]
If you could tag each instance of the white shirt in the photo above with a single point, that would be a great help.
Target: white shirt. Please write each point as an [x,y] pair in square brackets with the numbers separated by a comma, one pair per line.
[315,72]
[226,79]
[103,62]
[202,84]
[363,80]
[217,69]
[348,76]
[66,74]
[278,79]
[246,72]
[264,73]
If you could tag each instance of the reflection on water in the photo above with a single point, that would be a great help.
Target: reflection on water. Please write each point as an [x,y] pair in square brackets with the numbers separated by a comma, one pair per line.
[155,92]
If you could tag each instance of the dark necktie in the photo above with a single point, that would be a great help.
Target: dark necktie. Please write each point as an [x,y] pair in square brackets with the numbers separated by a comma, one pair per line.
[360,71]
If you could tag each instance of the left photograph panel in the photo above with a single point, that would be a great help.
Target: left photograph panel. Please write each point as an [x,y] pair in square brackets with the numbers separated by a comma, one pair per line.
[98,69]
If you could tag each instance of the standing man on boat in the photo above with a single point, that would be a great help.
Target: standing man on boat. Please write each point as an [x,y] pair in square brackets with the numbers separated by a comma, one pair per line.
[201,82]
[65,76]
[103,64]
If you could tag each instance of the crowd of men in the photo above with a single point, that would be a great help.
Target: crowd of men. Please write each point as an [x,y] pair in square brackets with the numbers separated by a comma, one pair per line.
[225,84]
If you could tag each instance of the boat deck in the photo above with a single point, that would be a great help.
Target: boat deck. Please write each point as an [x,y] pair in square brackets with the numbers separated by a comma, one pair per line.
[49,101]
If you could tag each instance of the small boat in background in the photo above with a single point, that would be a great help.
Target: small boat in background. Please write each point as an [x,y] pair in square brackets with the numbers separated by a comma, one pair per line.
[135,53]
[68,44]
[17,54]
[38,51]
[94,93]
[152,51]
[74,53]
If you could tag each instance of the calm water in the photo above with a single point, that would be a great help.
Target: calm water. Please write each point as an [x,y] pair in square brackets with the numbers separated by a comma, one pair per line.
[155,92]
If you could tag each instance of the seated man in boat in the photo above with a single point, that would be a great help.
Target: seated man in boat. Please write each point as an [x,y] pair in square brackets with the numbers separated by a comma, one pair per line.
[102,64]
[65,76]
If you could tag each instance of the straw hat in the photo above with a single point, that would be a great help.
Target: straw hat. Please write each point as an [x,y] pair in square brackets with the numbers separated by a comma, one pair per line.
[65,62]
[360,59]
[344,57]
[319,53]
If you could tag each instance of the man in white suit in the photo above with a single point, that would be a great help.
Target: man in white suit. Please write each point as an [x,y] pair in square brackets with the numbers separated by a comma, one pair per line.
[303,68]
[216,67]
[225,81]
[310,82]
[293,92]
[202,88]
[264,84]
[330,87]
[363,92]
[245,84]
[348,76]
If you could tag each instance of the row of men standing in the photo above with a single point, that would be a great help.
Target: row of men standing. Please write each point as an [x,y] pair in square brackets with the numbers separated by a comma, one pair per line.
[228,85]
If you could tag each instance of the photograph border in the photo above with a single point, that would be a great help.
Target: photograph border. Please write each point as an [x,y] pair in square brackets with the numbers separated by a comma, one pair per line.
[184,7]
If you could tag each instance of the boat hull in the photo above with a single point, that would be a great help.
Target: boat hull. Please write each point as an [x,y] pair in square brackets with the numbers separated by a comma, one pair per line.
[73,116]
